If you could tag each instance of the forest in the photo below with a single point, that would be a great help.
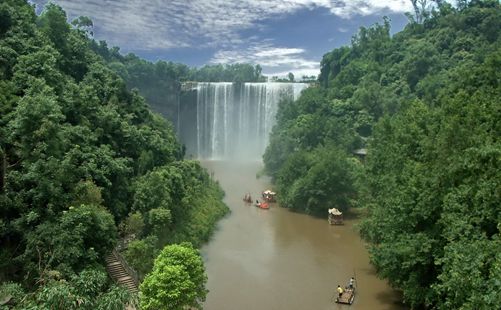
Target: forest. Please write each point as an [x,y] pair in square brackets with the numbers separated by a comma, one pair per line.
[160,82]
[424,104]
[85,165]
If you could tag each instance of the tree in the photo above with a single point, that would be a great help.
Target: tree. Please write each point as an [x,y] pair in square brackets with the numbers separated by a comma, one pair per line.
[5,19]
[86,290]
[80,236]
[133,225]
[3,168]
[257,73]
[314,182]
[53,22]
[420,9]
[290,76]
[84,24]
[159,220]
[140,254]
[177,280]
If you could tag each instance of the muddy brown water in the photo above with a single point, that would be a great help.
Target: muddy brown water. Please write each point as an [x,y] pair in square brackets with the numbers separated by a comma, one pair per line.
[276,259]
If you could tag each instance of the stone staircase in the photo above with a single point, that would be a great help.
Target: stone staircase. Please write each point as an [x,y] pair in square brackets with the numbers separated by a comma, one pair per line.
[121,273]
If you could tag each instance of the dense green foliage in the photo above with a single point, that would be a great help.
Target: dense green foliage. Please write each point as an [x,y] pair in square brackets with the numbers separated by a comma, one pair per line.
[227,73]
[177,281]
[426,105]
[79,154]
[160,82]
[179,203]
[82,291]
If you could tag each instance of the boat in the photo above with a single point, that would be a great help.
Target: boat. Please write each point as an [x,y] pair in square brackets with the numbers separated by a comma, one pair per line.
[247,198]
[262,205]
[347,297]
[269,196]
[335,217]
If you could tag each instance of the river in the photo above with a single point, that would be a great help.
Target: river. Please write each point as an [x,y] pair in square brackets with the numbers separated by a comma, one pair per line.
[276,259]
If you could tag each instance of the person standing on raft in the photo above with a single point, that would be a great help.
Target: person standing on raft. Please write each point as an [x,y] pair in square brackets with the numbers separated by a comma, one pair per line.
[340,290]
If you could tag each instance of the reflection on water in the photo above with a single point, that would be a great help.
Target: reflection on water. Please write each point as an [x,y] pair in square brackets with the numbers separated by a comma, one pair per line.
[276,259]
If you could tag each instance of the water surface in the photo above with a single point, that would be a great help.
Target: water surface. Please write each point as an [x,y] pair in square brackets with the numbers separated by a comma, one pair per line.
[276,259]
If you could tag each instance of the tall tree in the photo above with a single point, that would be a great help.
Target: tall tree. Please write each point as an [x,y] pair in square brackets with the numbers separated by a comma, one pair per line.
[177,280]
[420,10]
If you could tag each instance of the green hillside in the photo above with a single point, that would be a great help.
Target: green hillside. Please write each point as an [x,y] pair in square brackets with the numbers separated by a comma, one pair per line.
[83,163]
[425,104]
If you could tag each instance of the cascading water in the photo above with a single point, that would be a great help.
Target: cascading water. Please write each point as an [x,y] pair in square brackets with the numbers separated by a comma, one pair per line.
[233,120]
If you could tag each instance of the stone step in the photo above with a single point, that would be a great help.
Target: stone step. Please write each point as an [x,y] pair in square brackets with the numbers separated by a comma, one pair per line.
[119,274]
[116,277]
[116,267]
[116,270]
[110,257]
[128,284]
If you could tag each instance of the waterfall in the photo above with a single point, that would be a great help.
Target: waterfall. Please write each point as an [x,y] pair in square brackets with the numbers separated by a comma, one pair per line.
[233,121]
[213,119]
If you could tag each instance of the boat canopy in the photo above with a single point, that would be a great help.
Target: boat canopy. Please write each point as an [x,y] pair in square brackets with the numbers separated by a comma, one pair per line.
[335,211]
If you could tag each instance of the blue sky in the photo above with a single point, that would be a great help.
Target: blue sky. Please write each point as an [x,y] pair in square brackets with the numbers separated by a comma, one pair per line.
[281,35]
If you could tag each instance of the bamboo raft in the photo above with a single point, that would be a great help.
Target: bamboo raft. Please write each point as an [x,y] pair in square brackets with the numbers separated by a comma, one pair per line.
[347,297]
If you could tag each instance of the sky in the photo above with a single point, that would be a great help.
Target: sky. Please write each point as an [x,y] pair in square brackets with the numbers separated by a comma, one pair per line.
[281,35]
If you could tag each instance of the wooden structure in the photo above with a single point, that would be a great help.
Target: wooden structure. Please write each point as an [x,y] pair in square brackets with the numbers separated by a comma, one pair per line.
[121,273]
[347,297]
[247,198]
[335,217]
[360,154]
[269,196]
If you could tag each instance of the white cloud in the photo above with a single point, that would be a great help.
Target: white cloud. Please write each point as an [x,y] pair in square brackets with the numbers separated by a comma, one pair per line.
[276,61]
[346,9]
[157,24]
[217,24]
